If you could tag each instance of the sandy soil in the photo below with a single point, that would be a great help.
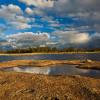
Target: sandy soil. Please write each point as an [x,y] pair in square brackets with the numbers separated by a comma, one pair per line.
[20,86]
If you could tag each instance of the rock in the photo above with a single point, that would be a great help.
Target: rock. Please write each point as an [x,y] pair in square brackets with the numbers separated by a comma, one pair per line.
[86,61]
[89,61]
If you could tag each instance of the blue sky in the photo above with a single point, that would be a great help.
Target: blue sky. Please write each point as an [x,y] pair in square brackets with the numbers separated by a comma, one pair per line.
[61,23]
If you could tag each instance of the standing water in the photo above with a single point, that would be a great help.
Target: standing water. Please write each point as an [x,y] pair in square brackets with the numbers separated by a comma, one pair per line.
[52,57]
[61,69]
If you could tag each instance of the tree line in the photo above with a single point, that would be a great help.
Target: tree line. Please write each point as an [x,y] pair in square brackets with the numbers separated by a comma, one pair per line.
[49,50]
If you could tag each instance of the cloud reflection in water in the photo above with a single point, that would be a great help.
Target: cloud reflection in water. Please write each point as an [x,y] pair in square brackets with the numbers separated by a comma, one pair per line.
[56,70]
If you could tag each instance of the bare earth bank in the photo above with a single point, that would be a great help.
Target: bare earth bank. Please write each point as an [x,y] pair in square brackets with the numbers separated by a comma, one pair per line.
[20,86]
[35,63]
[85,64]
[39,53]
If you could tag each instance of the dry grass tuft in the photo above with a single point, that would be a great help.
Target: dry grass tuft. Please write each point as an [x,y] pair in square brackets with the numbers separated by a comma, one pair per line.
[20,86]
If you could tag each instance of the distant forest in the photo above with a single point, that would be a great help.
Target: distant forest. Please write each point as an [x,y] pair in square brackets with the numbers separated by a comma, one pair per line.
[50,50]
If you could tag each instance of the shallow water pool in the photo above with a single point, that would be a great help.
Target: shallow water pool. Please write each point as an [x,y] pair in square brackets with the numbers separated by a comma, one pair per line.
[60,69]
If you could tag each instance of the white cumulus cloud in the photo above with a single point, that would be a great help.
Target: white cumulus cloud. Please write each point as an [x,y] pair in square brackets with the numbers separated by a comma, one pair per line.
[39,3]
[14,16]
[28,39]
[71,37]
[29,11]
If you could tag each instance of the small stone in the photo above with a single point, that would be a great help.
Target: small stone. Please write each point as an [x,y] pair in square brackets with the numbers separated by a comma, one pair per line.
[88,60]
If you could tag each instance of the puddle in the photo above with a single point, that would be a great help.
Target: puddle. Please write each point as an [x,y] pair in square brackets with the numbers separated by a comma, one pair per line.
[56,70]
